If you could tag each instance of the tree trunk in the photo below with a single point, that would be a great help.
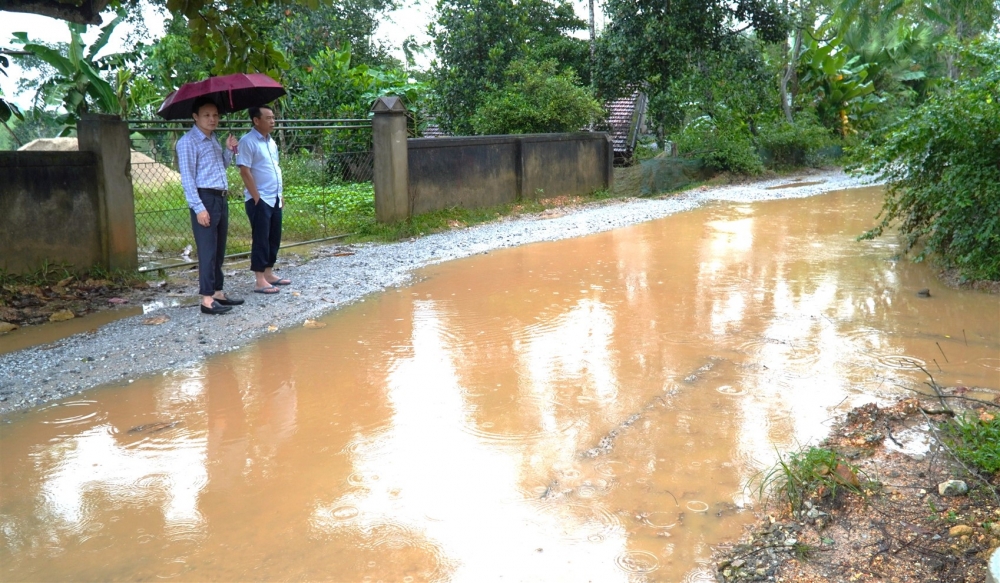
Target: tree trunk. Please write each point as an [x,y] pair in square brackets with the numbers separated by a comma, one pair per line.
[86,12]
[793,61]
[593,63]
[953,59]
[593,43]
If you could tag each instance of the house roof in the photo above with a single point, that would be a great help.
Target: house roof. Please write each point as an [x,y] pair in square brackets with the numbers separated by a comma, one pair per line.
[622,123]
[621,116]
[432,130]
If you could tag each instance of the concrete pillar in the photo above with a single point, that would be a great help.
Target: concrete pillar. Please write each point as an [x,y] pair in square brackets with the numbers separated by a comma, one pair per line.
[391,178]
[609,164]
[108,137]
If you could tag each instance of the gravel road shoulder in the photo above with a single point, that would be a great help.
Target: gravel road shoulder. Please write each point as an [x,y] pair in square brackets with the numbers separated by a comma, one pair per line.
[127,349]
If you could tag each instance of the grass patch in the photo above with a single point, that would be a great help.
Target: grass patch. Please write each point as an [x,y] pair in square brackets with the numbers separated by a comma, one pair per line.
[813,474]
[163,221]
[976,441]
[366,228]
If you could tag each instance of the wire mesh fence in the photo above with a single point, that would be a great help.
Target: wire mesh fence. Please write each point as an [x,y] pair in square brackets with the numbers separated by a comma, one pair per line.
[327,168]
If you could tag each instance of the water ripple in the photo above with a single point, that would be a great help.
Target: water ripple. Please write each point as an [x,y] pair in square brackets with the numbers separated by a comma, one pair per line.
[637,562]
[81,412]
[899,362]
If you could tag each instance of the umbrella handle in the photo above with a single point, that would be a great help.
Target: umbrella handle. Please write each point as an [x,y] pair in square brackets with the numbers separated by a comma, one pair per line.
[230,98]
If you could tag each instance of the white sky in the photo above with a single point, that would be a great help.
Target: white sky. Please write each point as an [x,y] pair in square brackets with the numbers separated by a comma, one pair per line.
[412,18]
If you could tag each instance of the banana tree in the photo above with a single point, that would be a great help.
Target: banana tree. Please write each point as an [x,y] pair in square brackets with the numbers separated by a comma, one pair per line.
[77,83]
[836,83]
[8,109]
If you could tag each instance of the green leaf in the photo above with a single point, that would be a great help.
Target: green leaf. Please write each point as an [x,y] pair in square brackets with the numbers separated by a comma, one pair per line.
[52,58]
[106,32]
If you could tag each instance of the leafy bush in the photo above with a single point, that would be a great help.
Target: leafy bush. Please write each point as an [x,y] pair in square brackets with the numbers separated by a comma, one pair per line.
[976,441]
[724,144]
[940,165]
[538,98]
[341,201]
[794,144]
[302,169]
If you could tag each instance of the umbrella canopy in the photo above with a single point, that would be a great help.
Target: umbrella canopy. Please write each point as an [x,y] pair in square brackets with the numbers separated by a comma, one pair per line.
[229,92]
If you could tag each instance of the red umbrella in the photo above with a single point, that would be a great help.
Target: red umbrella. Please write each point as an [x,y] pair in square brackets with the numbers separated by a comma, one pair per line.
[229,92]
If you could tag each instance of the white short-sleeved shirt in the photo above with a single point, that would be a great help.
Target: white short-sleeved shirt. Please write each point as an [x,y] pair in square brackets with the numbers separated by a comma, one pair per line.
[259,153]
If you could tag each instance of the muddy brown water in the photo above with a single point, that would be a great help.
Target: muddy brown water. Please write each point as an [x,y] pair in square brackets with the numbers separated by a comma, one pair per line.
[29,336]
[583,410]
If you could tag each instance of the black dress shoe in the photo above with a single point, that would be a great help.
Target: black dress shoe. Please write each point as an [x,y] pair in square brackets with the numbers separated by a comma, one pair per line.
[215,309]
[228,301]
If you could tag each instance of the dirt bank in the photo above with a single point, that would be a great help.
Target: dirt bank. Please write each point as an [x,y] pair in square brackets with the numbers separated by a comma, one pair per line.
[180,335]
[895,526]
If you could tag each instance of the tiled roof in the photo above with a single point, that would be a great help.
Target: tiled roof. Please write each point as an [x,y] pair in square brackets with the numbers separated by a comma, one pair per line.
[622,123]
[434,131]
[621,117]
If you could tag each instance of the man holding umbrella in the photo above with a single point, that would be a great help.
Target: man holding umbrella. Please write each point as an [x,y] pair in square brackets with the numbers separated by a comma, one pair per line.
[202,163]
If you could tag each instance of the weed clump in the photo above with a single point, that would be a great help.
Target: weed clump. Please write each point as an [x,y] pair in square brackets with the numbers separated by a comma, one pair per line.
[975,441]
[814,474]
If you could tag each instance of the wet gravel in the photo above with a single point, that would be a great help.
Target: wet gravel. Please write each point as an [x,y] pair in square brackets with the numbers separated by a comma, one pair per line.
[118,353]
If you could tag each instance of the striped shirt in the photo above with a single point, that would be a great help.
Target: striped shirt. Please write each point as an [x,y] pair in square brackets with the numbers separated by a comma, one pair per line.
[202,163]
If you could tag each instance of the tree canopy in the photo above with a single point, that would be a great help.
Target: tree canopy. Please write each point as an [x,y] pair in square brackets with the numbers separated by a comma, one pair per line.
[649,44]
[477,40]
[537,98]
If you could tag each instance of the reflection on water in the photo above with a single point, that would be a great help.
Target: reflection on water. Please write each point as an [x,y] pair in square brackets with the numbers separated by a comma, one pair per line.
[582,410]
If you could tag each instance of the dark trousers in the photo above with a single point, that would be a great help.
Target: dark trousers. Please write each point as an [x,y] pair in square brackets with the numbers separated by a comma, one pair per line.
[211,240]
[265,226]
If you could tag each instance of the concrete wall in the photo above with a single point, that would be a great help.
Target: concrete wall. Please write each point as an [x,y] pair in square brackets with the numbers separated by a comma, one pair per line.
[108,137]
[75,208]
[427,174]
[565,164]
[51,210]
[475,172]
[462,172]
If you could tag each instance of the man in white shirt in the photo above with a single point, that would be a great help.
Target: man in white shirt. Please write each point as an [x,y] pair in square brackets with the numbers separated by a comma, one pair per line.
[257,158]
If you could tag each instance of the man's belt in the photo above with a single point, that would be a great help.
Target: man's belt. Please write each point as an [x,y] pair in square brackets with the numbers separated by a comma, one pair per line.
[214,191]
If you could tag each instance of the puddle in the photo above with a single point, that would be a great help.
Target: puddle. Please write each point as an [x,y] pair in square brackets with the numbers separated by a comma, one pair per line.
[913,442]
[37,335]
[795,185]
[28,336]
[588,409]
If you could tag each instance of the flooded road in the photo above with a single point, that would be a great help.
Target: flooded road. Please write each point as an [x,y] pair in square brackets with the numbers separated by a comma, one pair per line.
[582,410]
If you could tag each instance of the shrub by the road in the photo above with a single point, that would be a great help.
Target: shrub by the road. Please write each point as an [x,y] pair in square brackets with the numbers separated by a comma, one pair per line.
[941,164]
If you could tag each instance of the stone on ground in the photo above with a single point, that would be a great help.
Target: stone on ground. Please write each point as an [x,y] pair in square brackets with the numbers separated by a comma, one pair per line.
[953,488]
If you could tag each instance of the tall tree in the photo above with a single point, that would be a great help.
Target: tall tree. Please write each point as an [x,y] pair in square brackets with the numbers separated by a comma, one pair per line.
[477,40]
[648,44]
[301,32]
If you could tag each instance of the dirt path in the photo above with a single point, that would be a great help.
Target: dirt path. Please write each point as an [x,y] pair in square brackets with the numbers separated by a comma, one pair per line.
[333,276]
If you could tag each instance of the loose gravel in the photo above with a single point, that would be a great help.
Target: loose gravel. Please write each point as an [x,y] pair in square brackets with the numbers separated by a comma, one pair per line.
[127,349]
